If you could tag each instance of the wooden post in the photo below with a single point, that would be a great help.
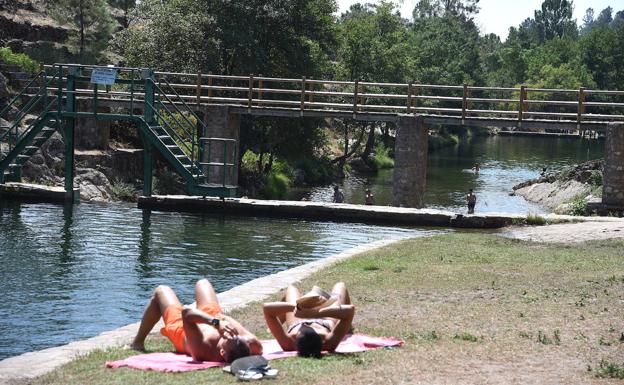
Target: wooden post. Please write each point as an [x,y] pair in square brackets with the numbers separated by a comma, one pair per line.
[311,96]
[260,90]
[199,84]
[209,85]
[414,100]
[355,96]
[580,110]
[250,93]
[464,102]
[303,89]
[409,98]
[521,106]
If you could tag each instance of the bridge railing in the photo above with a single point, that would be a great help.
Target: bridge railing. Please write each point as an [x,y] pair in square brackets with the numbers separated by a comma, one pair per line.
[463,102]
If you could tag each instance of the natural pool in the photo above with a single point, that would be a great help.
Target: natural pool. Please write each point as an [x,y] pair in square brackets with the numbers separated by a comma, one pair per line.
[69,273]
[505,161]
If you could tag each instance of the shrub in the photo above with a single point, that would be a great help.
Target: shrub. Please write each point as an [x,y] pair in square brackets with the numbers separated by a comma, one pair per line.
[382,158]
[595,179]
[18,59]
[276,186]
[122,191]
[578,206]
[534,219]
[317,170]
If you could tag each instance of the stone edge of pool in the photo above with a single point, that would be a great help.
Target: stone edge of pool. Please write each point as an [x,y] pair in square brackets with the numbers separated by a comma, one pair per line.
[34,364]
[342,212]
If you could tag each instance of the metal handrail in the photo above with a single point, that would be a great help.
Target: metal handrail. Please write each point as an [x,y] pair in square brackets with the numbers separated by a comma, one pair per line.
[6,108]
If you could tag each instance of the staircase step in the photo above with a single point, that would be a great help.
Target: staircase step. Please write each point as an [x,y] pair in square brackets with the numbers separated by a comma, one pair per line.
[15,165]
[31,148]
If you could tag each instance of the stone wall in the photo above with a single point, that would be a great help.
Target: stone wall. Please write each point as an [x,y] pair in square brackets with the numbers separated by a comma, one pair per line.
[221,123]
[410,162]
[613,174]
[91,134]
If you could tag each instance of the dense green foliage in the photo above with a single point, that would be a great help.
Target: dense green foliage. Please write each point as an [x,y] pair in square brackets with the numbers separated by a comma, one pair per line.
[440,44]
[19,59]
[90,24]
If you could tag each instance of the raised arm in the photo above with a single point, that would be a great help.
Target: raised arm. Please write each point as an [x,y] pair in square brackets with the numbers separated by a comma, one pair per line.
[272,312]
[343,313]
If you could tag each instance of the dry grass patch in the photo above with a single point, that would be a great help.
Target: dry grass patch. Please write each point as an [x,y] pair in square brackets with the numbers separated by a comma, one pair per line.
[473,309]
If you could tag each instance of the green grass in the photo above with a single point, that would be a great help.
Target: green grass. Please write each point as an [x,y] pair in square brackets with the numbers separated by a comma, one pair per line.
[608,369]
[517,299]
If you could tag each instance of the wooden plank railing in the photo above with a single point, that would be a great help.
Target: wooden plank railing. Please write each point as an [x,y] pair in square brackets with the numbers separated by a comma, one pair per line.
[358,97]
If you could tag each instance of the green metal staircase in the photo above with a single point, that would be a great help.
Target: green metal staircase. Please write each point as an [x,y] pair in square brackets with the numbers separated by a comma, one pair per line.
[168,125]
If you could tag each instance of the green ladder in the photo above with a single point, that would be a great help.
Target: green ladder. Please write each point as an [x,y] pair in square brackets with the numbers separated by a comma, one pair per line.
[168,125]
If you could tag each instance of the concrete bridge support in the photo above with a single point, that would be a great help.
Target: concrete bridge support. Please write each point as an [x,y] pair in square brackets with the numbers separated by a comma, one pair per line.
[410,162]
[613,174]
[220,123]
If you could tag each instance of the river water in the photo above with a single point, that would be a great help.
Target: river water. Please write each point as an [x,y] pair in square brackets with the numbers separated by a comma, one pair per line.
[69,273]
[505,161]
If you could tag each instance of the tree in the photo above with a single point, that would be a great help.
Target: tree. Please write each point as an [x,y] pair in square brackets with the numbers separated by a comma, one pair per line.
[90,22]
[555,20]
[169,36]
[126,6]
[464,9]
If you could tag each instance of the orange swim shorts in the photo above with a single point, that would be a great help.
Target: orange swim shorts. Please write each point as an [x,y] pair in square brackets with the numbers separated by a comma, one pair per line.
[174,328]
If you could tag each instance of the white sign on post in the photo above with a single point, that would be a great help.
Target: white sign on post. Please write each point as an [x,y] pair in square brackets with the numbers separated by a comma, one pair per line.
[105,76]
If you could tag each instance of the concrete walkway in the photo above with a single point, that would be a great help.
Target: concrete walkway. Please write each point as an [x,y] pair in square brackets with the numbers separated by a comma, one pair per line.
[34,364]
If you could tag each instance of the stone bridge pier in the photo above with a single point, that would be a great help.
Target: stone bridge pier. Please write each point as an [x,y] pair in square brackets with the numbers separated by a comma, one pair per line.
[410,162]
[613,171]
[223,124]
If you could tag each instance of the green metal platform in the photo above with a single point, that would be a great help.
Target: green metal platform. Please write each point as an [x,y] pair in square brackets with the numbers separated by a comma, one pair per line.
[167,125]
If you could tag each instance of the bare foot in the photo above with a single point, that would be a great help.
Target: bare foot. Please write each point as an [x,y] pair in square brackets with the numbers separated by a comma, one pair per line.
[135,346]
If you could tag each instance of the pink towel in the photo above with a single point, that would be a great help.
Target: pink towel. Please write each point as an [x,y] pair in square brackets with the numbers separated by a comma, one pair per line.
[172,362]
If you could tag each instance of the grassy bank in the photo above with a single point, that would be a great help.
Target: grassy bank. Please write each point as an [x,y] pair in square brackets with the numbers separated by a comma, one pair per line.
[473,309]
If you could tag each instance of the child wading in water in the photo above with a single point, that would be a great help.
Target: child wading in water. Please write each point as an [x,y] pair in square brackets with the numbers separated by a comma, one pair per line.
[471,198]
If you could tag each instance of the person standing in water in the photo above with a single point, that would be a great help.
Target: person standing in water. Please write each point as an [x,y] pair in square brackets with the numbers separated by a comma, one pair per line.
[338,195]
[471,198]
[369,199]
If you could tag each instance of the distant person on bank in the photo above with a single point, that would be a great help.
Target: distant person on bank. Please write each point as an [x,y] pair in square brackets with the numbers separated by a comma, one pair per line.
[203,333]
[312,323]
[369,199]
[471,198]
[338,195]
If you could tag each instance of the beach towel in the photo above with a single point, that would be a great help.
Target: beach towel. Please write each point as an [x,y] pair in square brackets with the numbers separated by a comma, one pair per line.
[172,362]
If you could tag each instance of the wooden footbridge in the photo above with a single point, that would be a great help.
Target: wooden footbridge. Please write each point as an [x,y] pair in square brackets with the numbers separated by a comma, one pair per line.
[168,109]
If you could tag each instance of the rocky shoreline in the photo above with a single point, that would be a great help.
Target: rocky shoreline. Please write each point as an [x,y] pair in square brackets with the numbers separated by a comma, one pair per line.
[566,191]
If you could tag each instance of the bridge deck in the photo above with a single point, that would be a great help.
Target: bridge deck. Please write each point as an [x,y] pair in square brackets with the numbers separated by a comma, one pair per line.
[522,107]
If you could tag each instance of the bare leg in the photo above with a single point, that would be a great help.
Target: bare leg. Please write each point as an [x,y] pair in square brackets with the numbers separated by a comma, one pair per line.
[162,298]
[291,294]
[340,289]
[205,293]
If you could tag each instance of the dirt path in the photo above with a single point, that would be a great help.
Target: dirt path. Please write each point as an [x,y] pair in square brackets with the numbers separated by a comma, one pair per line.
[568,232]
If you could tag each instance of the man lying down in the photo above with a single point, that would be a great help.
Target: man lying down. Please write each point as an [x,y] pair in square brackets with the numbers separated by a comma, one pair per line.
[204,333]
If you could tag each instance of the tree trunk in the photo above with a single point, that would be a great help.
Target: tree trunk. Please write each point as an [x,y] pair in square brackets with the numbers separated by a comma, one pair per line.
[342,159]
[370,144]
[82,29]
